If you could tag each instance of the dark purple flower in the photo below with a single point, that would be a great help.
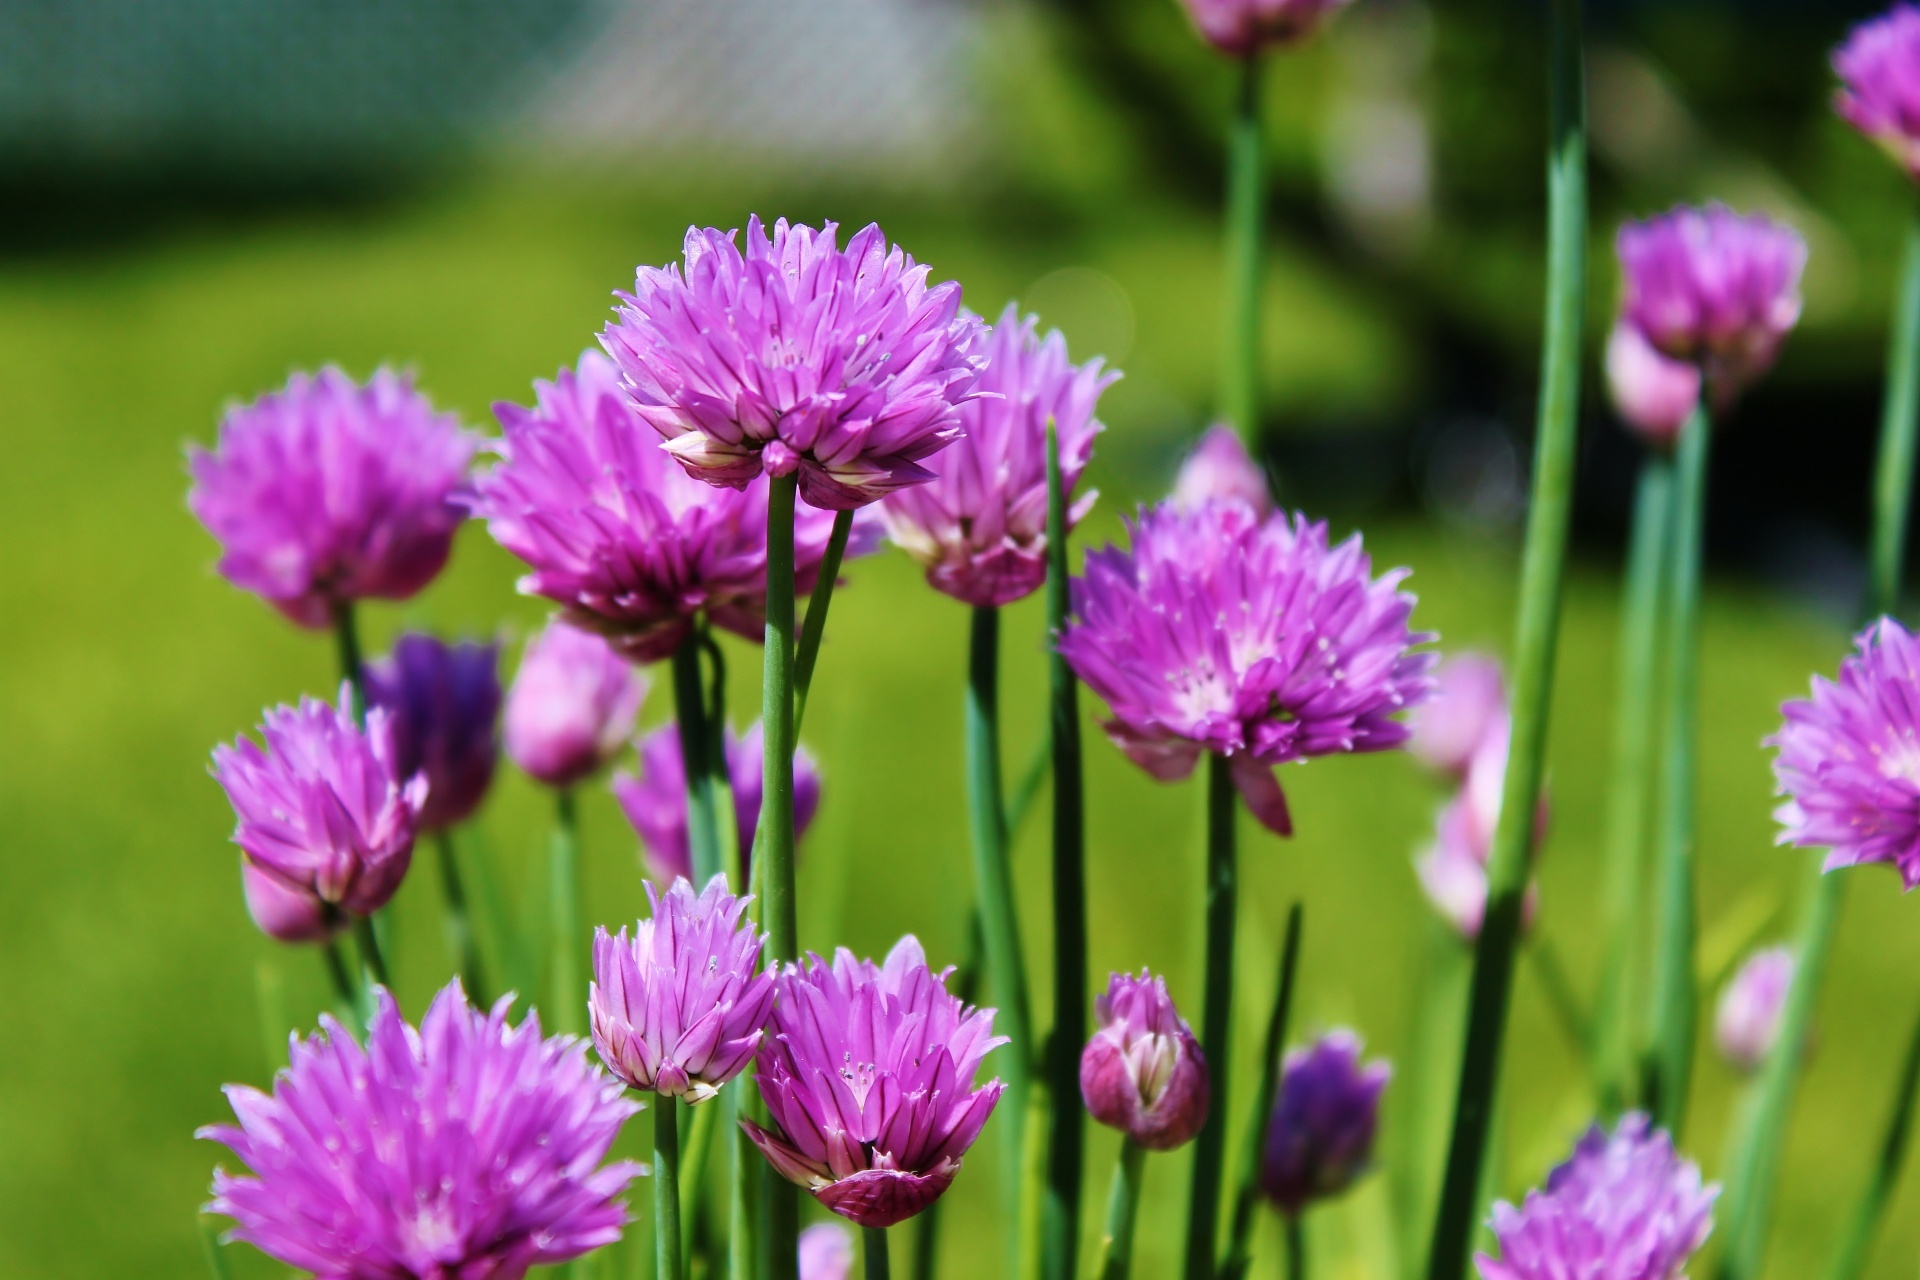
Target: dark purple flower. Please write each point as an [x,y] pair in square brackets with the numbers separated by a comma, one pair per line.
[1879,70]
[1219,469]
[797,356]
[1220,631]
[1849,761]
[679,1009]
[1143,1072]
[1654,394]
[655,800]
[1466,710]
[323,815]
[1244,28]
[1747,1021]
[826,1252]
[467,1149]
[980,526]
[1321,1135]
[868,1078]
[572,705]
[328,492]
[619,535]
[444,703]
[1625,1207]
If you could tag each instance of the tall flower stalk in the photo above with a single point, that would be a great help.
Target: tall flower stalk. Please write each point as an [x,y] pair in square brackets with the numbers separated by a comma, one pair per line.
[1239,1254]
[775,855]
[1222,896]
[1246,205]
[698,759]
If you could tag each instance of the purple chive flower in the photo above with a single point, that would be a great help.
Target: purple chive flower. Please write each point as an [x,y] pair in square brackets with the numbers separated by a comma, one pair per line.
[1219,469]
[469,1148]
[1879,70]
[324,817]
[1623,1207]
[797,355]
[1653,393]
[1453,869]
[980,527]
[618,535]
[1747,1021]
[1142,1072]
[868,1078]
[1714,288]
[679,1009]
[1466,710]
[571,707]
[1243,28]
[1320,1138]
[327,492]
[1220,631]
[655,800]
[1849,761]
[826,1252]
[444,703]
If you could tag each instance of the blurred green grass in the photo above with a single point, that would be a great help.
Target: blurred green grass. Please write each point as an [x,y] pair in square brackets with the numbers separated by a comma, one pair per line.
[130,989]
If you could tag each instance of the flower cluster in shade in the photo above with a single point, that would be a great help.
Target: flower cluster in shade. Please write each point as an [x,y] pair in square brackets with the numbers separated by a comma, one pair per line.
[868,1077]
[1849,758]
[1320,1136]
[618,535]
[826,1252]
[1143,1072]
[1654,394]
[327,492]
[655,799]
[1879,70]
[443,702]
[679,1008]
[1715,288]
[572,705]
[467,1148]
[1220,630]
[980,526]
[797,356]
[1747,1021]
[1245,28]
[326,823]
[1219,469]
[1625,1206]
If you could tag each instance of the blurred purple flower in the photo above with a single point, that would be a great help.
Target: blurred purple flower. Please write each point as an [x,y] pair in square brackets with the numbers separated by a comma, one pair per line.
[1747,1021]
[826,1252]
[572,705]
[1243,28]
[467,1149]
[868,1078]
[327,492]
[980,526]
[1879,70]
[1320,1138]
[797,356]
[1453,869]
[1623,1207]
[1653,393]
[1143,1072]
[619,535]
[1465,711]
[1219,469]
[1252,638]
[444,703]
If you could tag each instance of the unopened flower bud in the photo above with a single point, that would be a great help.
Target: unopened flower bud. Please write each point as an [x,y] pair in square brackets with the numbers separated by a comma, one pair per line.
[1219,469]
[1142,1072]
[1321,1136]
[571,707]
[1747,1022]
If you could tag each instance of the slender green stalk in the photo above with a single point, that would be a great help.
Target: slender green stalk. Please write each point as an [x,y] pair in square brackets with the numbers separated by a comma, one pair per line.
[666,1190]
[1899,421]
[346,635]
[1060,1230]
[1027,790]
[1246,192]
[1247,1196]
[341,975]
[215,1248]
[1537,634]
[459,920]
[1216,1017]
[879,1266]
[697,1154]
[1123,1206]
[743,1186]
[696,757]
[1558,988]
[815,625]
[775,857]
[1668,1070]
[564,987]
[371,961]
[1635,694]
[1858,1241]
[1296,1247]
[1030,1223]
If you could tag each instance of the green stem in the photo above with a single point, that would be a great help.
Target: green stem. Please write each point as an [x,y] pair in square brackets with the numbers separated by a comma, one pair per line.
[879,1267]
[1668,1071]
[1858,1241]
[568,994]
[696,758]
[743,1186]
[1216,1017]
[815,625]
[1027,790]
[1296,1247]
[1247,1196]
[1635,693]
[1060,1232]
[1123,1204]
[1537,633]
[460,940]
[346,635]
[1893,480]
[1558,988]
[371,961]
[776,818]
[666,1189]
[701,1137]
[341,974]
[216,1250]
[1240,389]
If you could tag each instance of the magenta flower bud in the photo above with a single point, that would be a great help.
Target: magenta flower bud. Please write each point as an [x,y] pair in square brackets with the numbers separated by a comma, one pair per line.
[1453,869]
[1848,763]
[1623,1207]
[1220,631]
[1243,28]
[1653,394]
[1219,469]
[655,800]
[327,492]
[1747,1022]
[467,1148]
[679,1009]
[1879,70]
[1465,711]
[1321,1136]
[444,703]
[1714,288]
[571,707]
[285,911]
[322,813]
[980,526]
[868,1079]
[797,356]
[1142,1072]
[826,1252]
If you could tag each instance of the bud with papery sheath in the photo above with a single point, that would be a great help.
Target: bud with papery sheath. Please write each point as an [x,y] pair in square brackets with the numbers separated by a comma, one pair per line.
[1142,1072]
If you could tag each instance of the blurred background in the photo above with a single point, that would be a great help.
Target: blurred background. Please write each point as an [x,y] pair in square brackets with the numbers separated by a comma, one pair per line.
[197,197]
